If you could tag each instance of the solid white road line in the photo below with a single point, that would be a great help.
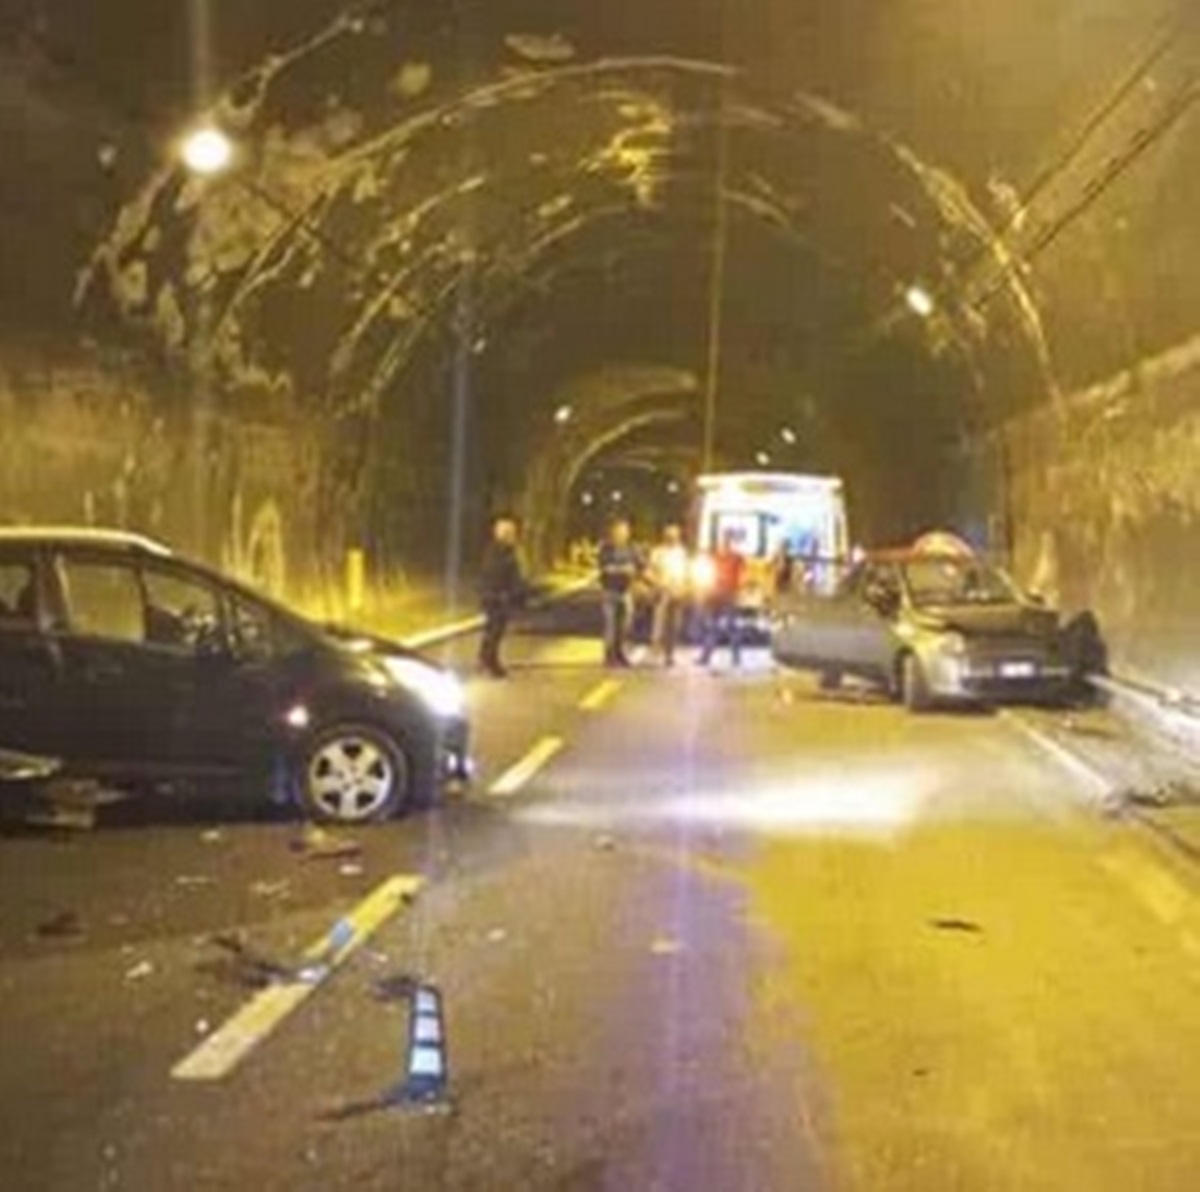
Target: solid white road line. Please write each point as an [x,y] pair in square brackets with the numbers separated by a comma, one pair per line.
[232,1042]
[1098,786]
[600,695]
[513,779]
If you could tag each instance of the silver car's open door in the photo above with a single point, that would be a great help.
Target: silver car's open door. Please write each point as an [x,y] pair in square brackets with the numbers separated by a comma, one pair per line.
[831,627]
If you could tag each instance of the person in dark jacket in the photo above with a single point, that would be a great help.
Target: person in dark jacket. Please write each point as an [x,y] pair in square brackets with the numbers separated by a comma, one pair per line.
[501,592]
[620,565]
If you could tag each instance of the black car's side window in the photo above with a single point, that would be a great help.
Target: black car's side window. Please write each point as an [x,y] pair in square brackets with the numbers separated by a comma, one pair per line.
[103,600]
[256,636]
[180,612]
[18,592]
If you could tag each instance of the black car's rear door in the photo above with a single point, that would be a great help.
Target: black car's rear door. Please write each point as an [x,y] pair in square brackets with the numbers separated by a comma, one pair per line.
[30,673]
[120,694]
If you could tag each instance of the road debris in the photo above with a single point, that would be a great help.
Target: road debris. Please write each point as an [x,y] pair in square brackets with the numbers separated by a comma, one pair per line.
[1079,727]
[140,971]
[966,926]
[397,988]
[65,925]
[351,869]
[281,888]
[665,946]
[244,965]
[1168,793]
[194,881]
[497,935]
[319,844]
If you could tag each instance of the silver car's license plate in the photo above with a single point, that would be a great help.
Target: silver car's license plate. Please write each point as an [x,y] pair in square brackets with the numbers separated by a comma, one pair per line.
[1018,670]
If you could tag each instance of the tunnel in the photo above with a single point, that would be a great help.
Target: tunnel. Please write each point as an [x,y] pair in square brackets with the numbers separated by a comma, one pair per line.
[467,261]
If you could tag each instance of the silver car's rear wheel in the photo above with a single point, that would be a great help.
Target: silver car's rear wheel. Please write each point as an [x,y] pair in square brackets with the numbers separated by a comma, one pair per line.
[353,775]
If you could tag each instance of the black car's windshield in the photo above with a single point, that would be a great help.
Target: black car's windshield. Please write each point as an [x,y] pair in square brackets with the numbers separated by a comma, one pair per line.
[938,581]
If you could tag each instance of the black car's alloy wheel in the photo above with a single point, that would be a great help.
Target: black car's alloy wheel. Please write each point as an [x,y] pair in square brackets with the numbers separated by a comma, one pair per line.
[352,774]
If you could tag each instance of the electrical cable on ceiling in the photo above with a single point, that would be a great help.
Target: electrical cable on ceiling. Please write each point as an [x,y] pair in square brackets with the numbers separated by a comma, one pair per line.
[1144,140]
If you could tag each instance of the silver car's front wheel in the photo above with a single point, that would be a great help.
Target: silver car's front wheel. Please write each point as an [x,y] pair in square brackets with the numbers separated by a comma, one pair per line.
[353,775]
[914,687]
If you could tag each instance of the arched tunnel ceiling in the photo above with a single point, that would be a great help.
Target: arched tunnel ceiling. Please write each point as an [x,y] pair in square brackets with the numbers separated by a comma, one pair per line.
[548,201]
[378,245]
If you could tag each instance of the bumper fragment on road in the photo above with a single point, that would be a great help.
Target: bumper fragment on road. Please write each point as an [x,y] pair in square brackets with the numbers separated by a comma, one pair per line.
[231,1043]
[515,778]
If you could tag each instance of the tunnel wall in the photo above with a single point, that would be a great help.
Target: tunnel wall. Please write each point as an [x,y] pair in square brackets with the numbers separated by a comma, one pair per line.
[91,443]
[1105,509]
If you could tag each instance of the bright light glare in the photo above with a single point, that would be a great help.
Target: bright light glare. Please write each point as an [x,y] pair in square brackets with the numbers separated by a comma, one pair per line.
[298,717]
[441,691]
[876,804]
[617,496]
[587,499]
[763,459]
[788,436]
[920,301]
[672,486]
[563,415]
[206,151]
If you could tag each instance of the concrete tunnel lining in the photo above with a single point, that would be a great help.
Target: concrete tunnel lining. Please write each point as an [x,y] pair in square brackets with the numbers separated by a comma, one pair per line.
[304,141]
[363,327]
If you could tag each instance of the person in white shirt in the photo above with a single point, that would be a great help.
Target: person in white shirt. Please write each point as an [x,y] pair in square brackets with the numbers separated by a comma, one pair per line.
[668,574]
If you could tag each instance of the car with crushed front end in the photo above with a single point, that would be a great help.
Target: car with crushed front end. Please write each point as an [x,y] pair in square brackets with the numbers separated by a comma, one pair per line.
[932,626]
[149,673]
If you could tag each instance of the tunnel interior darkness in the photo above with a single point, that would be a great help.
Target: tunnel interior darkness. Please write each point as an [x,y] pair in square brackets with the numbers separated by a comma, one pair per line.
[432,288]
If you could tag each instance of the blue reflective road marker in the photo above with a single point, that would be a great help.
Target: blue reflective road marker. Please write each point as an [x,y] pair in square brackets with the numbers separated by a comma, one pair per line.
[426,1068]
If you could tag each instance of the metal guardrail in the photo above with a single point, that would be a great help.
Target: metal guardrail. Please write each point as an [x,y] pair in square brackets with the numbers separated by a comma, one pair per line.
[440,634]
[1160,700]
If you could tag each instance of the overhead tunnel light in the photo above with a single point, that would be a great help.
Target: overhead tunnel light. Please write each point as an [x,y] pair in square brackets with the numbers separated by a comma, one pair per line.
[206,151]
[563,415]
[920,301]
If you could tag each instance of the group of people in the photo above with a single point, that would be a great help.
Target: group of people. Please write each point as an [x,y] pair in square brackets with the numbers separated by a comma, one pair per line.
[668,578]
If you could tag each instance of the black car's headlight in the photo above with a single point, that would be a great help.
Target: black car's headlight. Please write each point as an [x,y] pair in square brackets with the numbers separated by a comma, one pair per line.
[441,692]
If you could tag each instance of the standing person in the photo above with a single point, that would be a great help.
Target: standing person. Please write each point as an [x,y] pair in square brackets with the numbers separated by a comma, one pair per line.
[619,567]
[783,571]
[501,592]
[668,575]
[729,568]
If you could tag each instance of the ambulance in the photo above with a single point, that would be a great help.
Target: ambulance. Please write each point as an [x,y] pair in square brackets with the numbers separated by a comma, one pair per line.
[763,513]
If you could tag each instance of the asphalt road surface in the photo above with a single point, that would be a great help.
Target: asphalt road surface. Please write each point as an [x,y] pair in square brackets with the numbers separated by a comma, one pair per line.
[690,931]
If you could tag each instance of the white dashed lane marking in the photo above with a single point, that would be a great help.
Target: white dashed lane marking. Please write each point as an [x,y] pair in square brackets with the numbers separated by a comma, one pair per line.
[518,776]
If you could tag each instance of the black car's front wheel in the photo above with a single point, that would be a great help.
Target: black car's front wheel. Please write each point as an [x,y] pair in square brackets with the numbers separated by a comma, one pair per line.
[354,774]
